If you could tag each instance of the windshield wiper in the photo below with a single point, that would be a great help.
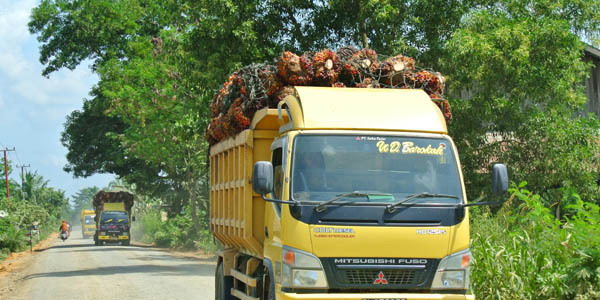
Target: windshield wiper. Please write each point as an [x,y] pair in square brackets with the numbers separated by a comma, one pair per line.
[321,206]
[392,207]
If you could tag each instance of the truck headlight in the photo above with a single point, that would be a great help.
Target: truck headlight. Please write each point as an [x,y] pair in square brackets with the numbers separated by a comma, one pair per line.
[453,272]
[302,270]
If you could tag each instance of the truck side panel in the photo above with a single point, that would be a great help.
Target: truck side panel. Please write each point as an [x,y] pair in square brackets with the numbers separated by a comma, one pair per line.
[233,211]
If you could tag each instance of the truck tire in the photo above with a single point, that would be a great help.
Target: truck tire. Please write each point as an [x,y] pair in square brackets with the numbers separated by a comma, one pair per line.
[125,243]
[269,289]
[223,284]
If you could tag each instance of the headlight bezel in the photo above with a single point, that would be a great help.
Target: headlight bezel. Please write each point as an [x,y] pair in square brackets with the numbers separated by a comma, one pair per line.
[453,272]
[302,270]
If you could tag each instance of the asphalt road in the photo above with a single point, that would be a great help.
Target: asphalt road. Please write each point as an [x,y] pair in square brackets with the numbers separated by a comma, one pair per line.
[76,269]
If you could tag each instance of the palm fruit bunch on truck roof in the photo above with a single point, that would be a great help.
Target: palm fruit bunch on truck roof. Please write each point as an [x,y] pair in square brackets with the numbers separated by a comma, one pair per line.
[113,196]
[263,85]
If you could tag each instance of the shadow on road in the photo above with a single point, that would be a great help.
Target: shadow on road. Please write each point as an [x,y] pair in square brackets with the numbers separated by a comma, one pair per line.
[155,270]
[151,257]
[63,246]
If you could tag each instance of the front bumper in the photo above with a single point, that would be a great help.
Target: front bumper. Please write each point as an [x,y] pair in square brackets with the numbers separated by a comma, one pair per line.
[379,296]
[113,238]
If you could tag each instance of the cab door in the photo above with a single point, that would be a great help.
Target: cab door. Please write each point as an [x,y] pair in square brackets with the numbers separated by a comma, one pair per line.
[273,245]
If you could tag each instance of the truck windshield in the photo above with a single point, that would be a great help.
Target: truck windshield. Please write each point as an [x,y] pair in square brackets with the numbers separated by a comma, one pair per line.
[384,168]
[88,219]
[114,217]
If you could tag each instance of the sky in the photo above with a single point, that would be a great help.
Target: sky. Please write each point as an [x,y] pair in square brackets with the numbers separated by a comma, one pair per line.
[33,108]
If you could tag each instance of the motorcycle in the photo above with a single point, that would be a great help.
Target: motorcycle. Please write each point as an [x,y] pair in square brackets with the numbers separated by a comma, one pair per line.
[64,235]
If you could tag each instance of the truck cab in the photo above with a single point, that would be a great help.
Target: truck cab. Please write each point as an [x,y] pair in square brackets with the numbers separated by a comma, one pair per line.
[88,225]
[358,195]
[114,227]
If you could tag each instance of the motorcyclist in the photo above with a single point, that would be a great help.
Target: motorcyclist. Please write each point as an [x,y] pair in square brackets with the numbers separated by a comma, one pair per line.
[64,227]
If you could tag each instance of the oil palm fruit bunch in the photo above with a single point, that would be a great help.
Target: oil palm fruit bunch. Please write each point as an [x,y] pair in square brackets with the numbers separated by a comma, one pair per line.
[344,53]
[214,131]
[327,67]
[368,82]
[394,69]
[235,118]
[444,106]
[432,83]
[360,65]
[284,92]
[294,69]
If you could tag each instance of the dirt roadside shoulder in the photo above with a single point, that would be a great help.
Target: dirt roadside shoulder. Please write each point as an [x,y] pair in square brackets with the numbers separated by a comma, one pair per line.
[200,255]
[18,260]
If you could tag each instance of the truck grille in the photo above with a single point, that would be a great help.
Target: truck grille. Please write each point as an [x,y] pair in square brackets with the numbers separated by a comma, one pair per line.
[403,277]
[379,273]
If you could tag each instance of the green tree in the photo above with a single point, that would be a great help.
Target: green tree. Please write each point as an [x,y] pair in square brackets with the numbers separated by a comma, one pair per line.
[83,199]
[520,64]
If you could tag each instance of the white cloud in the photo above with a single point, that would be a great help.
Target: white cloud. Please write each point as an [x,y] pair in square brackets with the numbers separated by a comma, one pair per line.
[24,73]
[14,16]
[1,102]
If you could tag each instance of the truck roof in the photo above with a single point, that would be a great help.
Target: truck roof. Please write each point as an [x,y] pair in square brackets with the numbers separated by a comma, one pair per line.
[358,109]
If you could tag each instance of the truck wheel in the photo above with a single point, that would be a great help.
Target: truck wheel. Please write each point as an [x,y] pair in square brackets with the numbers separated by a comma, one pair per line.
[268,288]
[125,243]
[223,284]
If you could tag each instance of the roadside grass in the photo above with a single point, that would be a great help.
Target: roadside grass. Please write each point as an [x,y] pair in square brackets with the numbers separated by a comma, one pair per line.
[174,233]
[524,252]
[14,238]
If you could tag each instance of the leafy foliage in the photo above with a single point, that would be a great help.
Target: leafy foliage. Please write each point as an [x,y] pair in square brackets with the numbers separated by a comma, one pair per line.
[527,253]
[32,202]
[521,70]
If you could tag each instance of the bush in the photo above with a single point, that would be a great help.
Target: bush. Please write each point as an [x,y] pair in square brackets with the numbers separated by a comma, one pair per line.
[11,237]
[526,253]
[176,232]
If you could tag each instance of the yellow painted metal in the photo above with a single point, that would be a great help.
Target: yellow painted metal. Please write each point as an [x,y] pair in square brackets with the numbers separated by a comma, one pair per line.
[397,241]
[365,109]
[236,212]
[250,281]
[106,237]
[114,206]
[294,296]
[87,229]
[240,295]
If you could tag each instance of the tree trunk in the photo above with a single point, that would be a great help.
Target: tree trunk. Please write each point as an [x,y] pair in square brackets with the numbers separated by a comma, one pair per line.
[362,26]
[193,194]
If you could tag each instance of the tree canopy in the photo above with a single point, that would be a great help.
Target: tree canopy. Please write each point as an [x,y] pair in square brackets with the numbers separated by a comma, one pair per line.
[514,73]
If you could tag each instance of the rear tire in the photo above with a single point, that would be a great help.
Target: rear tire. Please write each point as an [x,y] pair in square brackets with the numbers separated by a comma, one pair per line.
[223,284]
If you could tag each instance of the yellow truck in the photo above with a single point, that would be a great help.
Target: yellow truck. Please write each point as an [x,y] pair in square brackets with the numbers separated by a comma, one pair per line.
[113,216]
[88,225]
[343,193]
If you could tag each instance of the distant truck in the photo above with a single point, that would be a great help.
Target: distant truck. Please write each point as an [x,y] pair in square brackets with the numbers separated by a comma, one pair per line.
[88,225]
[113,217]
[343,193]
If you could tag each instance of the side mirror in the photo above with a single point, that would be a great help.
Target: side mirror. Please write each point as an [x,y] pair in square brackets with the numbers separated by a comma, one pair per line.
[499,179]
[132,218]
[262,177]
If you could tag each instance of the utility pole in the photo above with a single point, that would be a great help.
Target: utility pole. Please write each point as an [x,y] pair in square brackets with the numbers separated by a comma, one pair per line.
[6,170]
[22,178]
